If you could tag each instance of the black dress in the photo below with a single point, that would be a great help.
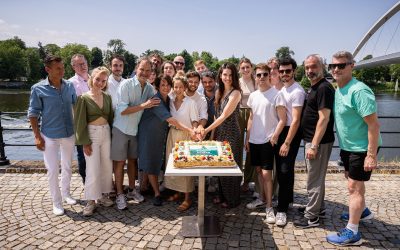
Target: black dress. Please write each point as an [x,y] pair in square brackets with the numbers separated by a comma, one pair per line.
[229,130]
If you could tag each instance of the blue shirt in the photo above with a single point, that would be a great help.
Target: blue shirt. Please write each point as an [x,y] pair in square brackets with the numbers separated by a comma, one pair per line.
[130,93]
[55,108]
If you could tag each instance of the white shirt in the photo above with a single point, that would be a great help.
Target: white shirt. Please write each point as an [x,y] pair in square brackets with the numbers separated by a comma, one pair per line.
[200,89]
[81,85]
[112,89]
[187,112]
[294,96]
[201,104]
[265,117]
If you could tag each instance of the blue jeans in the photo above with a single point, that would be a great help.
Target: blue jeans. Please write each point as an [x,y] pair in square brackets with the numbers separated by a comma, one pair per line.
[81,162]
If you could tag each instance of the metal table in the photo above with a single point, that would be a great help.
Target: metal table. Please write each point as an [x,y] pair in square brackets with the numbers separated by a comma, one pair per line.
[200,225]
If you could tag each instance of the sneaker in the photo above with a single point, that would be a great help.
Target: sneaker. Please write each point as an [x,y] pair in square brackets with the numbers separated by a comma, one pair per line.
[270,215]
[256,195]
[134,195]
[281,219]
[121,202]
[257,203]
[366,215]
[307,223]
[322,212]
[89,208]
[345,237]
[105,201]
[69,200]
[58,210]
[157,201]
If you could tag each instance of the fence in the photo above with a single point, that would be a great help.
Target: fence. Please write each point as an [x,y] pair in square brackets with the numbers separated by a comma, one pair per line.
[5,161]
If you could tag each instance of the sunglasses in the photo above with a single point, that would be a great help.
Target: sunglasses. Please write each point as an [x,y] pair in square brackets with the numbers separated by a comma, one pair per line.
[285,71]
[260,75]
[332,66]
[180,63]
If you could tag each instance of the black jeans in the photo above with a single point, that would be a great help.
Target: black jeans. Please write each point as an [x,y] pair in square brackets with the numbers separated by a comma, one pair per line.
[81,162]
[285,170]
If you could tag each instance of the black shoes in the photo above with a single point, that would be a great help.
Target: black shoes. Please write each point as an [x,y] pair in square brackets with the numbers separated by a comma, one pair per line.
[157,201]
[322,212]
[307,223]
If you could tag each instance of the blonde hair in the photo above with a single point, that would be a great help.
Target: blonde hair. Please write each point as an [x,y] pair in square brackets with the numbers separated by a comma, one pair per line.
[198,62]
[98,70]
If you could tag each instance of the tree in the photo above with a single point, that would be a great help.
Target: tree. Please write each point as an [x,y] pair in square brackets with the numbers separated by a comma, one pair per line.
[13,61]
[15,41]
[395,71]
[97,57]
[52,49]
[188,60]
[35,65]
[154,51]
[284,52]
[130,63]
[68,51]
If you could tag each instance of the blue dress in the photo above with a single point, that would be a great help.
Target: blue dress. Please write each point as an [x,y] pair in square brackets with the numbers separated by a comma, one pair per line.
[152,136]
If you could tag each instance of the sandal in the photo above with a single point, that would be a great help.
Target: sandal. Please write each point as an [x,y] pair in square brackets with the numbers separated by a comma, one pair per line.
[216,200]
[184,206]
[175,197]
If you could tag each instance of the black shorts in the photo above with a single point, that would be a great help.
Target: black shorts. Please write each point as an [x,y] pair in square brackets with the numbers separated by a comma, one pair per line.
[354,163]
[262,155]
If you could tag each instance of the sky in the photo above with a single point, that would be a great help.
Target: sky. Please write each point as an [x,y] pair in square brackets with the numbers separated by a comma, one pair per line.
[255,29]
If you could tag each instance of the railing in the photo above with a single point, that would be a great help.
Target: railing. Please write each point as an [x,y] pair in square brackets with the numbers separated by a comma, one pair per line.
[5,161]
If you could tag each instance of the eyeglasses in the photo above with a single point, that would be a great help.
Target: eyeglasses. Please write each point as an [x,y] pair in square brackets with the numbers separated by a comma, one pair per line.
[260,75]
[285,71]
[181,63]
[332,66]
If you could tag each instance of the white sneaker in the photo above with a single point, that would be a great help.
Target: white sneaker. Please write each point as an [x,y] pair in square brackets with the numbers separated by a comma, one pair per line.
[257,203]
[89,208]
[69,200]
[270,215]
[135,196]
[281,219]
[105,201]
[58,210]
[121,201]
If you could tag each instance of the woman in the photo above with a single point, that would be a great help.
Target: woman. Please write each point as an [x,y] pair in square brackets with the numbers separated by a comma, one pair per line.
[248,85]
[93,118]
[185,111]
[273,64]
[153,120]
[226,125]
[168,68]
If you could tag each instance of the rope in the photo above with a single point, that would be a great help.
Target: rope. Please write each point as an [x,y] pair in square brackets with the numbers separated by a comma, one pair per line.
[392,37]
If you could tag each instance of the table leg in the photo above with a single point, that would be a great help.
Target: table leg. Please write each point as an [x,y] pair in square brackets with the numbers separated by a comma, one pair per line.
[200,211]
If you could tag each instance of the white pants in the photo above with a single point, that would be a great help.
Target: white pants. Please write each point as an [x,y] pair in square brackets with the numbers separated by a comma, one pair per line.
[51,160]
[98,164]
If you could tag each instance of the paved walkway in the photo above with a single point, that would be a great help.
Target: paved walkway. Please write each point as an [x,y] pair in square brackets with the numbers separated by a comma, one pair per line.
[26,220]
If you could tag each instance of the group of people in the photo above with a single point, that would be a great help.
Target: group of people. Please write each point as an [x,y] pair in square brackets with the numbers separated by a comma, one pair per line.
[262,109]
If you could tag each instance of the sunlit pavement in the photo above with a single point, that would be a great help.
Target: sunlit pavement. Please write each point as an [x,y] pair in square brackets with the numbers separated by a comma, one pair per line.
[26,220]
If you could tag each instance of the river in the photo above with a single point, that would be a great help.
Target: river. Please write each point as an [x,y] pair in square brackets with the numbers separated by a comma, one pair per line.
[18,100]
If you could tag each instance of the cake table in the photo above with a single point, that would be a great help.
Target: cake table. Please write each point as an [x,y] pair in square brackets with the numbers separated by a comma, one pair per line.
[201,225]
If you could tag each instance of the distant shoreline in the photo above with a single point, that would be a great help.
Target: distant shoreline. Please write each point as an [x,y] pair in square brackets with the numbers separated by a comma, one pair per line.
[15,85]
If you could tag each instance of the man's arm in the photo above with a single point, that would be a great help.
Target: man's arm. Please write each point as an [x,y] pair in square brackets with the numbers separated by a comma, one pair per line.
[145,105]
[320,129]
[294,126]
[370,161]
[39,141]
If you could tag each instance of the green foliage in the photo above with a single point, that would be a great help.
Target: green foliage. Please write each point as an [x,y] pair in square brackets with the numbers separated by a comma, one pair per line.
[52,49]
[130,64]
[170,57]
[394,71]
[35,65]
[188,60]
[305,83]
[13,61]
[284,52]
[97,57]
[15,41]
[68,51]
[300,73]
[154,51]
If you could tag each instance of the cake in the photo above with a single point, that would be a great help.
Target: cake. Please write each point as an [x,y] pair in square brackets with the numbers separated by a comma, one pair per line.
[203,153]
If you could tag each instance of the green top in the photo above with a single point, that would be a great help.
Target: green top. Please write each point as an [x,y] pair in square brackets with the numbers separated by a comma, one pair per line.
[86,111]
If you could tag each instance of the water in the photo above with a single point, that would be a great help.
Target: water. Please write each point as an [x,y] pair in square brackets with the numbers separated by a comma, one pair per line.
[18,101]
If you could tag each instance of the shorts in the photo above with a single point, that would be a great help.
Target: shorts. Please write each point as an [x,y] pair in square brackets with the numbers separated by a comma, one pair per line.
[123,146]
[262,155]
[354,163]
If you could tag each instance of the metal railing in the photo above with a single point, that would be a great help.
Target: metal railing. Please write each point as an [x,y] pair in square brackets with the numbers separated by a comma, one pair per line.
[5,161]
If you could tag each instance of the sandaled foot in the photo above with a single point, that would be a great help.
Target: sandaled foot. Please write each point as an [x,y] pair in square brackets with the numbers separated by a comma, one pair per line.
[184,206]
[174,197]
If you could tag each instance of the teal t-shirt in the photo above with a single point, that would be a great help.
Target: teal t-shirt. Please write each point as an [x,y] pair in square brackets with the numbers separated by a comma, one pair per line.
[352,103]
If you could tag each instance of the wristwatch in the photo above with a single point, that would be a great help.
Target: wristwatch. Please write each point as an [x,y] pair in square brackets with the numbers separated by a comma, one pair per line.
[314,147]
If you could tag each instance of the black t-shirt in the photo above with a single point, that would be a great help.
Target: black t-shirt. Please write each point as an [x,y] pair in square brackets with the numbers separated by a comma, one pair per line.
[321,95]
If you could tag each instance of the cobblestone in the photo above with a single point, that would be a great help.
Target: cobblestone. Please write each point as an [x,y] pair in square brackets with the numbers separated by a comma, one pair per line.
[27,222]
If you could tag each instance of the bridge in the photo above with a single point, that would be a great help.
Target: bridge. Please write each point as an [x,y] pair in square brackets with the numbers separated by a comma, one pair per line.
[392,58]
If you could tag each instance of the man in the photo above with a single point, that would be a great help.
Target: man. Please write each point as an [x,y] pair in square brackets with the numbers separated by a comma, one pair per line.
[179,62]
[266,121]
[200,67]
[318,136]
[52,99]
[80,79]
[210,87]
[134,96]
[156,60]
[115,79]
[357,129]
[193,79]
[290,138]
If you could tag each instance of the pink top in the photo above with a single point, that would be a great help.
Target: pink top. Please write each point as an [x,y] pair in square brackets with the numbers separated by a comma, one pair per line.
[81,86]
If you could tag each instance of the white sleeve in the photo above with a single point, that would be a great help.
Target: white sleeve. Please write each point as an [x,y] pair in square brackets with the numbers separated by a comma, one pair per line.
[298,98]
[193,111]
[203,108]
[250,100]
[280,100]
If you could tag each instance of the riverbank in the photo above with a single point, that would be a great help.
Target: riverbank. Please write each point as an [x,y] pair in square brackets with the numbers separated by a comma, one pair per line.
[37,166]
[15,85]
